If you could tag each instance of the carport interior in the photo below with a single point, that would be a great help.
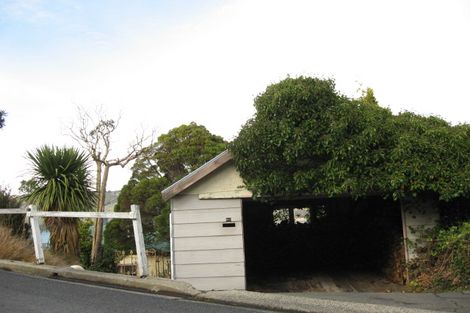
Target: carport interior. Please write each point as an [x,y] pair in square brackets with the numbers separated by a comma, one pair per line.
[330,238]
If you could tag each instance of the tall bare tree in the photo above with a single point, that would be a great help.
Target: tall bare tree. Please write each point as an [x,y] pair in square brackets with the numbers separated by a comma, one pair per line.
[94,134]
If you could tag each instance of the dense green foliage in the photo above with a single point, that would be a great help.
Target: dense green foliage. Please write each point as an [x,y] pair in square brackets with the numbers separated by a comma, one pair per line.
[118,235]
[308,139]
[86,239]
[145,192]
[443,262]
[2,118]
[179,152]
[107,262]
[62,183]
[162,224]
[174,155]
[16,223]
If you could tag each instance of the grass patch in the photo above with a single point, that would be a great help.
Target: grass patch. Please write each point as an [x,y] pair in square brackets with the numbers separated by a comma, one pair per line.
[19,249]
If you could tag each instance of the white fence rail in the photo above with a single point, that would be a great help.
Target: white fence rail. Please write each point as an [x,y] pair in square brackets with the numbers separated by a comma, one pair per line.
[33,214]
[13,211]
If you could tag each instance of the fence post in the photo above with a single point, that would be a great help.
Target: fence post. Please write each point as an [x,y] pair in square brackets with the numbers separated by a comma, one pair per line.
[142,266]
[36,233]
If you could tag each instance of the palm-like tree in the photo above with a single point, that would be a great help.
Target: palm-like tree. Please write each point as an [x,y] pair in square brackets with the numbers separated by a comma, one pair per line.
[62,183]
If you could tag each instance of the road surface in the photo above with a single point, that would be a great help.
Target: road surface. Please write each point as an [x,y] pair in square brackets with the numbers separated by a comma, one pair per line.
[25,294]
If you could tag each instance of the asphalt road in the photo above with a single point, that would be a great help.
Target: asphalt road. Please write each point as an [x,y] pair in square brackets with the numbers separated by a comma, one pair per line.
[24,294]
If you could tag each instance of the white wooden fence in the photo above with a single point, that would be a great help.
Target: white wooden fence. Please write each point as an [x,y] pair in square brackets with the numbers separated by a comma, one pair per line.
[33,214]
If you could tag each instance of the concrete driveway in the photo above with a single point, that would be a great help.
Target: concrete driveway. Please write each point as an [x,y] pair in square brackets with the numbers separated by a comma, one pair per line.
[458,302]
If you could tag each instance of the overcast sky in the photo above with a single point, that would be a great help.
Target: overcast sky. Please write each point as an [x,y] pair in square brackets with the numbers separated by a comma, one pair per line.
[163,63]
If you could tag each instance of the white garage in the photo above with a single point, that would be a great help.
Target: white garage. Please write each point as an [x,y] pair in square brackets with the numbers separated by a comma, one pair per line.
[207,247]
[213,249]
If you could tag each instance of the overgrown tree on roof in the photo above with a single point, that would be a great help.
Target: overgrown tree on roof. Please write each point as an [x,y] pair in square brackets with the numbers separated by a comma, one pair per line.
[63,183]
[308,139]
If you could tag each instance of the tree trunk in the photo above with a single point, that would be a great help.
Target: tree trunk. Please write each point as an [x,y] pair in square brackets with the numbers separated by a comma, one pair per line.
[99,166]
[98,235]
[94,248]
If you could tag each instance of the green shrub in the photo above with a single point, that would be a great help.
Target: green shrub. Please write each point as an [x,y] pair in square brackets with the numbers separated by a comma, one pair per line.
[15,222]
[444,262]
[107,261]
[119,235]
[86,240]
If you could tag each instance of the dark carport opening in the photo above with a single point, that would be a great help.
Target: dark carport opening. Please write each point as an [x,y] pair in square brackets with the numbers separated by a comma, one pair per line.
[338,244]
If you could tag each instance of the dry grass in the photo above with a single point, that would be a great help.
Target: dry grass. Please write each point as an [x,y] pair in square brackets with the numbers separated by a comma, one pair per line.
[15,248]
[19,249]
[59,260]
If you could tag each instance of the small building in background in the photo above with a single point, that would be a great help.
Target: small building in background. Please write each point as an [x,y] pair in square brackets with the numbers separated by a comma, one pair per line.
[159,264]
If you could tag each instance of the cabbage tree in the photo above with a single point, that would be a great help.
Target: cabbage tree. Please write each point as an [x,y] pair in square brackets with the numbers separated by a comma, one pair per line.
[62,183]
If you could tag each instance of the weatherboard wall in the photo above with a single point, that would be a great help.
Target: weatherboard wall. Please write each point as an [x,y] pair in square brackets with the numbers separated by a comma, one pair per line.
[223,183]
[204,252]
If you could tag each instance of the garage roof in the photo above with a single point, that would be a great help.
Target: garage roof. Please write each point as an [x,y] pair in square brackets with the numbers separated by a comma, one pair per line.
[195,176]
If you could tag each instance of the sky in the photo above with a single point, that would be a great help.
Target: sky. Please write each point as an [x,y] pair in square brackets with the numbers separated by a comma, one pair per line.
[159,64]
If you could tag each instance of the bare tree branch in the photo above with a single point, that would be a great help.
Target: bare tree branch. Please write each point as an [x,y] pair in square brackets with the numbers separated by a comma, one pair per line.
[94,135]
